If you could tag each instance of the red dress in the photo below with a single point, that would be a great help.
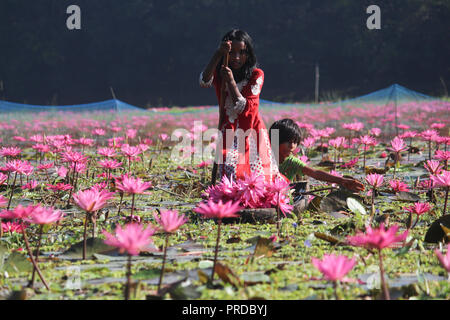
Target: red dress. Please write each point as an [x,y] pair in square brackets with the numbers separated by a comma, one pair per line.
[246,150]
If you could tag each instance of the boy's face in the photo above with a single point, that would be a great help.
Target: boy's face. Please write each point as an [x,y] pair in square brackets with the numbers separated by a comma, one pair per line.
[285,150]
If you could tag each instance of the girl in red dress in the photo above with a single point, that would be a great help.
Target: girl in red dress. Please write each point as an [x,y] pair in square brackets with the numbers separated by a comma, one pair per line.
[244,141]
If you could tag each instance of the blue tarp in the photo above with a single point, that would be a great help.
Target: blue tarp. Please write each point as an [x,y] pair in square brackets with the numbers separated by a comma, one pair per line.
[113,105]
[393,93]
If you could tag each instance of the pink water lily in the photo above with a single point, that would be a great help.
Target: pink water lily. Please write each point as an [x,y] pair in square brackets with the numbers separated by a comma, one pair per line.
[132,185]
[375,180]
[91,200]
[442,181]
[398,186]
[42,215]
[334,267]
[218,210]
[398,145]
[133,238]
[169,220]
[433,166]
[377,238]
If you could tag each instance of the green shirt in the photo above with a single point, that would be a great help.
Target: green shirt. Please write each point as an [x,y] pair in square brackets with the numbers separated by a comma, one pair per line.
[292,166]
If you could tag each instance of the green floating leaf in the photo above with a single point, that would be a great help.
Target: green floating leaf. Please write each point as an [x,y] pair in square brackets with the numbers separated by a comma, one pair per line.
[407,196]
[252,278]
[205,264]
[329,238]
[17,263]
[93,246]
[355,206]
[146,274]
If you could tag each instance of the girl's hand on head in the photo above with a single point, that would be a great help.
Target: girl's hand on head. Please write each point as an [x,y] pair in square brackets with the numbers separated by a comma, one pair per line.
[226,74]
[225,47]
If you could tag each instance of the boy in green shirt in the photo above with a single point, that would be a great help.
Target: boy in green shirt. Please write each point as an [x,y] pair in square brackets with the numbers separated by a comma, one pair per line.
[290,136]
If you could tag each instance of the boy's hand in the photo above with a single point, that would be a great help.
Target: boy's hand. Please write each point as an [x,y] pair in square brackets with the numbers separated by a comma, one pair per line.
[225,47]
[352,184]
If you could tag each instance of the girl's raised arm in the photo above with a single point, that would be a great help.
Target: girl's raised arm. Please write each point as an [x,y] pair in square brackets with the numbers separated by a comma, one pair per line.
[207,74]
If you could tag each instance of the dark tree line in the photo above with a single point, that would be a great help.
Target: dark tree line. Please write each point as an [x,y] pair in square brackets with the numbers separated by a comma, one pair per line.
[152,51]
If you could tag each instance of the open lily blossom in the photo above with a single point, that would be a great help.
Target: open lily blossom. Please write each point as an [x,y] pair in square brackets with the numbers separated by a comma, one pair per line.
[375,180]
[334,267]
[42,215]
[13,227]
[398,186]
[419,208]
[20,212]
[170,220]
[377,238]
[433,166]
[3,178]
[92,200]
[218,210]
[398,145]
[133,238]
[10,152]
[441,180]
[132,185]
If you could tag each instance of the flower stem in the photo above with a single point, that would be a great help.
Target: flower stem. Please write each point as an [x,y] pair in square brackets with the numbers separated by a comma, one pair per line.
[128,284]
[383,282]
[132,206]
[12,190]
[164,261]
[120,203]
[335,286]
[219,222]
[84,236]
[37,255]
[32,259]
[446,199]
[372,211]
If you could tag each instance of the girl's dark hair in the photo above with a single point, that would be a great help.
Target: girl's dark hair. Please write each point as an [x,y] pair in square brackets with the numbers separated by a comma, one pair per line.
[247,69]
[289,131]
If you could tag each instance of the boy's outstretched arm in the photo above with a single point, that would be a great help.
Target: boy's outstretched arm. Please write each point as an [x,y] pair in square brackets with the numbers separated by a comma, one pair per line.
[350,184]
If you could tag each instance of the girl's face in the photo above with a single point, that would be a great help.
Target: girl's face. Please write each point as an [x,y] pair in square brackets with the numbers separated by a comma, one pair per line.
[285,150]
[238,55]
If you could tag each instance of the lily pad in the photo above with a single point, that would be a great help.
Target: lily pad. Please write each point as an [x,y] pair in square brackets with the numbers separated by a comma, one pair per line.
[261,215]
[252,278]
[204,264]
[92,246]
[336,201]
[146,274]
[355,206]
[17,262]
[407,196]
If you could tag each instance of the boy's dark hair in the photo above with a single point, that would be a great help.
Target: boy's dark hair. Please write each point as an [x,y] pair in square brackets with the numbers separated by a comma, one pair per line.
[289,131]
[247,69]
